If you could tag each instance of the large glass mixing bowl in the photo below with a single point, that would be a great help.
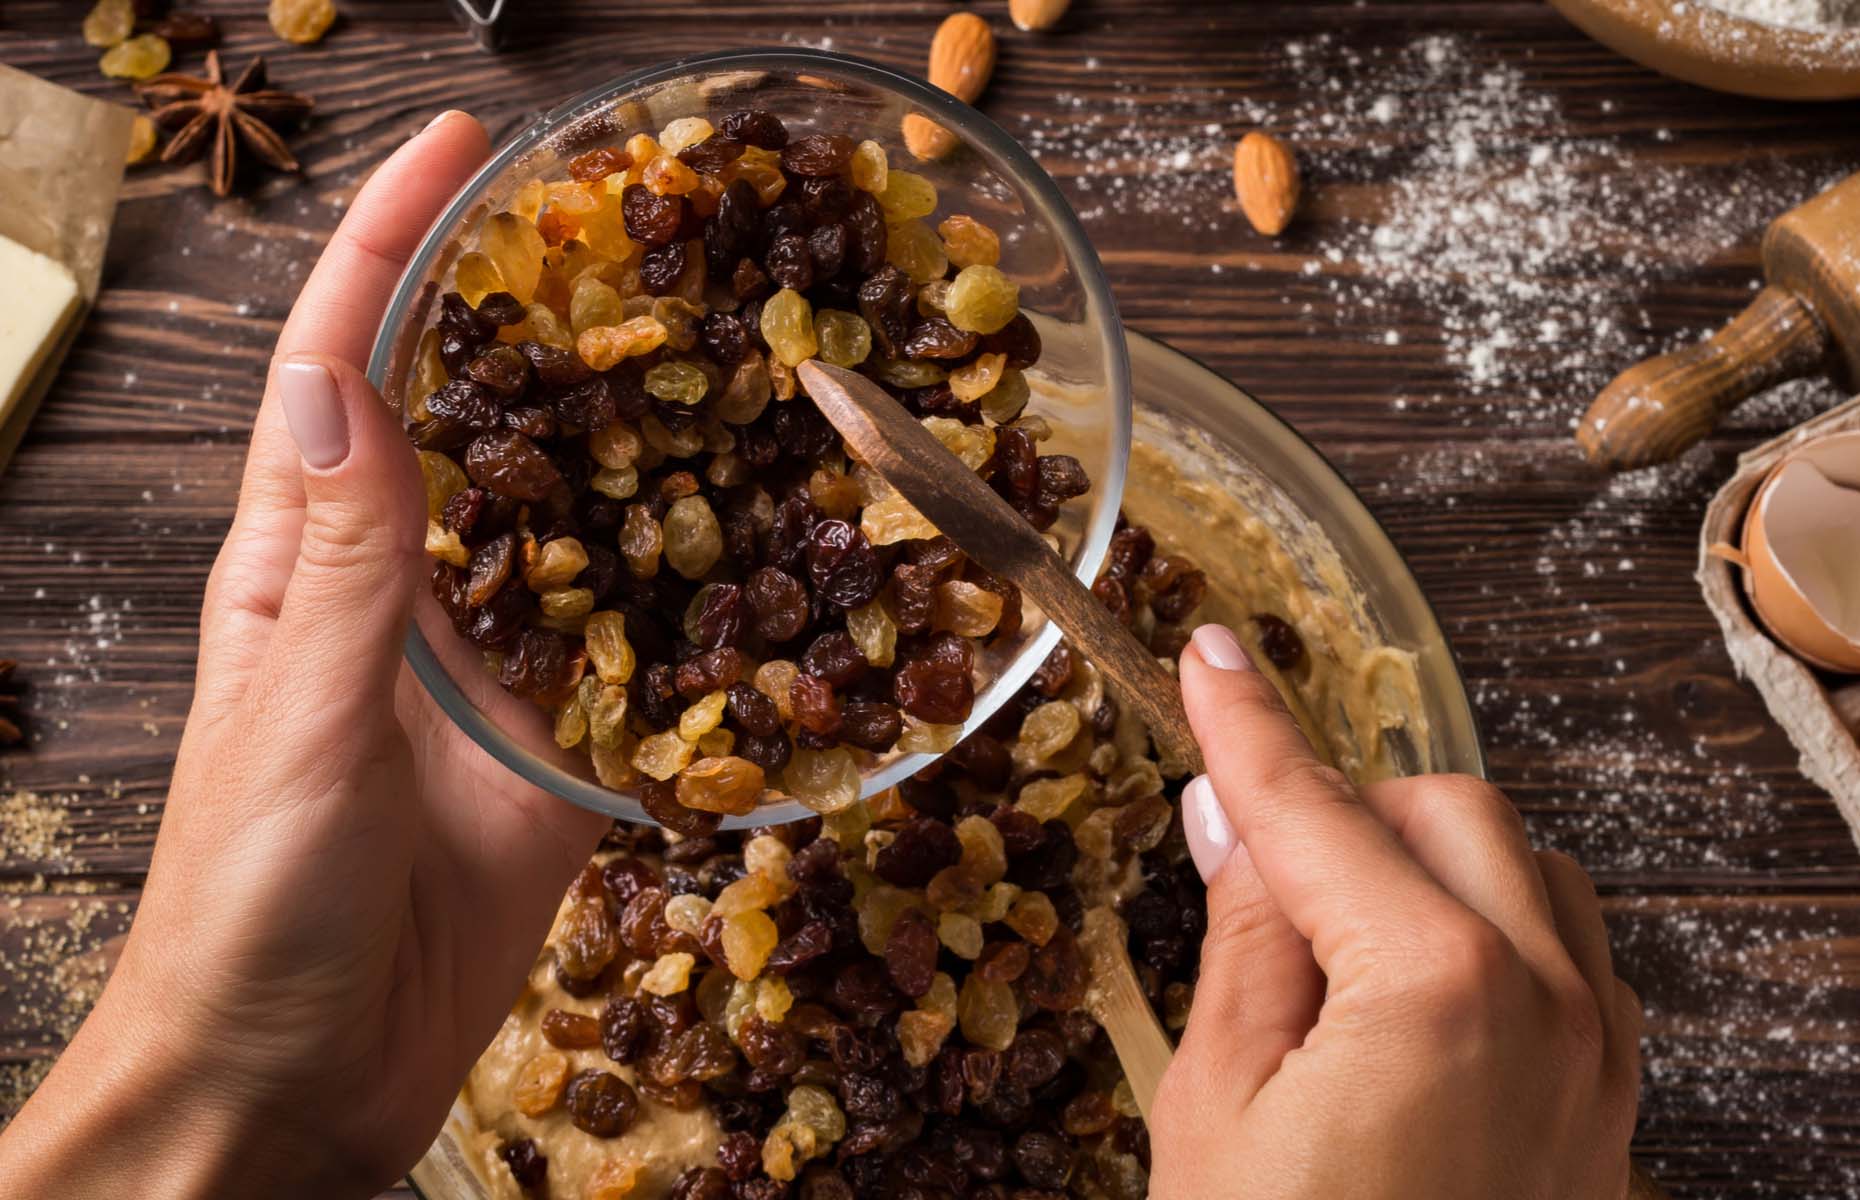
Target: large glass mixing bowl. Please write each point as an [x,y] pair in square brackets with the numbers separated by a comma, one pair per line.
[988,176]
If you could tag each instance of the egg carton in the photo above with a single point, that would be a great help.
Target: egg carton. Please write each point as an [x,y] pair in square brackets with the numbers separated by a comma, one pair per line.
[1820,711]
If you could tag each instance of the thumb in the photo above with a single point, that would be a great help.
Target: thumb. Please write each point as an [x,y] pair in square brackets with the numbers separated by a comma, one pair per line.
[337,642]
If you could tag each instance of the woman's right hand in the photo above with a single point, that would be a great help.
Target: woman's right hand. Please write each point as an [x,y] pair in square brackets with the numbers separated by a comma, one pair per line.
[1398,999]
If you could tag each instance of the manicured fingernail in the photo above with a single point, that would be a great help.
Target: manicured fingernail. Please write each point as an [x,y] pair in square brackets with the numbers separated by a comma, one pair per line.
[440,119]
[313,409]
[1210,837]
[1219,648]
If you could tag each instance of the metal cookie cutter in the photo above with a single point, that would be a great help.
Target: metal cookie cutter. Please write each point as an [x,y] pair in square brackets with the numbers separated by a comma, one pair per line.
[482,18]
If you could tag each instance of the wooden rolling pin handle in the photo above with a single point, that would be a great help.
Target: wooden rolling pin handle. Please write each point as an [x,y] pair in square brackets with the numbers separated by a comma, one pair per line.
[1654,411]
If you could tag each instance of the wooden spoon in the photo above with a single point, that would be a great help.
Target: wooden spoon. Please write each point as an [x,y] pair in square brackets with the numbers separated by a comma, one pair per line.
[969,513]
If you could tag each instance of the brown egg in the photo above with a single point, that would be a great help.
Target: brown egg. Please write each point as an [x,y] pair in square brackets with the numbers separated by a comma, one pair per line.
[1802,552]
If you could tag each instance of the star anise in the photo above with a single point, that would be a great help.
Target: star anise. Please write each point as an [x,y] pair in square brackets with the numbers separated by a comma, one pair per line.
[235,117]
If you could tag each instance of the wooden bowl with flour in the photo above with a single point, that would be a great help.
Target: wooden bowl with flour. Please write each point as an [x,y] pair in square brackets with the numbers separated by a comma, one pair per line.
[1775,49]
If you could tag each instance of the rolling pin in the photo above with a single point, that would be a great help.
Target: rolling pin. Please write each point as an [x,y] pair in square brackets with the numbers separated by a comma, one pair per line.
[1806,321]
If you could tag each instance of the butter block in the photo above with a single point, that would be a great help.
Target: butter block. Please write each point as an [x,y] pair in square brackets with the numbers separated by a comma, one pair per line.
[42,302]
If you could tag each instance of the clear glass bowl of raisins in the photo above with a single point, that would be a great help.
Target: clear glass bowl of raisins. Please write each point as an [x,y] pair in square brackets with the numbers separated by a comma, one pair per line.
[661,588]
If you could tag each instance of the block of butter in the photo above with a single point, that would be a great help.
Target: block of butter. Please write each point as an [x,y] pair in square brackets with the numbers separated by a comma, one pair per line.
[43,302]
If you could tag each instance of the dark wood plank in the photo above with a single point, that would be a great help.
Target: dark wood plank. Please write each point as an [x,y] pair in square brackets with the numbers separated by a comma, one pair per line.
[1611,711]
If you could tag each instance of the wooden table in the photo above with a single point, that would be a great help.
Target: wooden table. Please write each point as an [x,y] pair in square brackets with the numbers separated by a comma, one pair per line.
[1611,710]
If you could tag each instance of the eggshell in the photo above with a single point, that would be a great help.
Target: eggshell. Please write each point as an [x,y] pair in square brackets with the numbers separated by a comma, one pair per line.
[1802,541]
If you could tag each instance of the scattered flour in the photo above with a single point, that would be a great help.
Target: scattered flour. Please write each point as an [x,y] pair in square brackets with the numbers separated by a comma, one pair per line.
[1814,15]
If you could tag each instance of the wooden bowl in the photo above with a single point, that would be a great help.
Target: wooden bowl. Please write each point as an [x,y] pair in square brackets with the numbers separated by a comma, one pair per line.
[1689,41]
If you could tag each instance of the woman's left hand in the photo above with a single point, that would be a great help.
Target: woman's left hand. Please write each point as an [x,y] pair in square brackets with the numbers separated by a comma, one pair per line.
[346,892]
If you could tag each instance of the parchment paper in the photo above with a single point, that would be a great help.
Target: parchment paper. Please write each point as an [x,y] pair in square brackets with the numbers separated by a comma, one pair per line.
[61,164]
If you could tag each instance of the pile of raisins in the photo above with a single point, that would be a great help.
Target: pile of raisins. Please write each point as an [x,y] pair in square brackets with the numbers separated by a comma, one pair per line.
[656,537]
[831,1062]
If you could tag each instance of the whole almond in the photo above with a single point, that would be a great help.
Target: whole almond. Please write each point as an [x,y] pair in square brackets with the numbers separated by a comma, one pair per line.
[962,57]
[1266,182]
[1037,14]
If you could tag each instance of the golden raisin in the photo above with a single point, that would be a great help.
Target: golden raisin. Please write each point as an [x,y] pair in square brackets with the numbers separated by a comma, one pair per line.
[301,21]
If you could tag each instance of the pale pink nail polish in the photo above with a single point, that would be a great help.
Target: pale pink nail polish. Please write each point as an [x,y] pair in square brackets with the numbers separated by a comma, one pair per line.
[313,409]
[1219,648]
[1211,839]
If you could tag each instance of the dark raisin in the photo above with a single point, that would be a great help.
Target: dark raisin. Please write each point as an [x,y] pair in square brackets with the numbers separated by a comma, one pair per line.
[1043,1159]
[511,465]
[625,878]
[527,1164]
[934,688]
[489,568]
[868,1097]
[936,338]
[865,234]
[465,404]
[538,666]
[827,247]
[1003,962]
[702,674]
[712,154]
[701,1183]
[660,267]
[503,369]
[1283,647]
[756,126]
[816,708]
[886,302]
[725,338]
[771,1047]
[985,759]
[1131,547]
[779,601]
[499,309]
[598,163]
[834,657]
[1055,673]
[910,954]
[818,154]
[920,849]
[842,564]
[537,424]
[749,282]
[752,711]
[1056,976]
[1114,594]
[794,521]
[804,945]
[1018,339]
[590,404]
[650,220]
[788,262]
[570,1031]
[460,514]
[1034,1058]
[771,752]
[722,616]
[601,1103]
[870,725]
[654,694]
[863,989]
[660,800]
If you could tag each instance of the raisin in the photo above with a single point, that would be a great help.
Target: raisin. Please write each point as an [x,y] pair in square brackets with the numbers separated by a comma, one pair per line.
[842,565]
[1131,547]
[660,800]
[598,164]
[725,337]
[827,247]
[660,267]
[489,568]
[749,282]
[1043,1159]
[722,615]
[1280,642]
[936,690]
[570,1031]
[752,711]
[1055,673]
[771,1047]
[755,126]
[1003,962]
[527,1164]
[712,154]
[462,510]
[512,465]
[834,657]
[789,262]
[771,752]
[1034,1059]
[818,154]
[811,941]
[1114,594]
[625,878]
[710,671]
[937,338]
[921,848]
[866,234]
[538,666]
[870,725]
[651,220]
[1056,976]
[815,705]
[779,601]
[537,424]
[601,1104]
[591,404]
[910,953]
[863,989]
[500,309]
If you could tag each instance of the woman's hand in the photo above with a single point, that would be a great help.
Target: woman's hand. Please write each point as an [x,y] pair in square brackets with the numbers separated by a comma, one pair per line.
[346,892]
[1397,997]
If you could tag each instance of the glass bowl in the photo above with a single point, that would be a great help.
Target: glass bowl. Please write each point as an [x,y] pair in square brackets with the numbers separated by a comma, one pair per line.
[988,175]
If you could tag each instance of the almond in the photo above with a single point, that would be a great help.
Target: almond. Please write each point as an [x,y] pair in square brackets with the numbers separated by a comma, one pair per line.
[1037,14]
[1266,182]
[962,57]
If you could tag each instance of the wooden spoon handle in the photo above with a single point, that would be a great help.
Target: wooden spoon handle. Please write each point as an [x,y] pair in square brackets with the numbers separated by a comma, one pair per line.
[1141,680]
[1655,410]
